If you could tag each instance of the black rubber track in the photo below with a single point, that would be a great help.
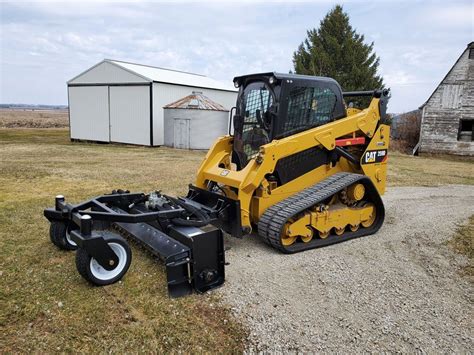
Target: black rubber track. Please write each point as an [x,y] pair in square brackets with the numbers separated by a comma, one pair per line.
[274,218]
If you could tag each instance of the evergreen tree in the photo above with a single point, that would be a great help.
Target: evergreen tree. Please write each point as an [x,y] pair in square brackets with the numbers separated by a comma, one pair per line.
[338,51]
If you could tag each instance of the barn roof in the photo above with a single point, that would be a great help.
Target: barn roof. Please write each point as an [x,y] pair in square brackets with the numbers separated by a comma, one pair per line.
[196,101]
[469,46]
[162,75]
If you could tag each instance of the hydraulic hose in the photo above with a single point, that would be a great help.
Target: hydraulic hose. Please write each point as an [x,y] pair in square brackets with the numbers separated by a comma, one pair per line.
[203,218]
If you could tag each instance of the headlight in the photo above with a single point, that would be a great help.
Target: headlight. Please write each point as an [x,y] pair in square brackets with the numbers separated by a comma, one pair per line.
[272,80]
[236,84]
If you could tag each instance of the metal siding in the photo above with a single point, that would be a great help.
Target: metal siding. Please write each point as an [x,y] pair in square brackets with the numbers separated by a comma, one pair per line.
[205,127]
[158,137]
[168,126]
[164,94]
[181,133]
[107,73]
[89,113]
[130,114]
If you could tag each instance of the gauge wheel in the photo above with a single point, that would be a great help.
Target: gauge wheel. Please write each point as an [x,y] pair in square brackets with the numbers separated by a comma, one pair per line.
[59,235]
[92,271]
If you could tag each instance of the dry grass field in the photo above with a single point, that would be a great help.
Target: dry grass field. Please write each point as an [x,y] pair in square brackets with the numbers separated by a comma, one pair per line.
[19,118]
[408,170]
[463,243]
[47,307]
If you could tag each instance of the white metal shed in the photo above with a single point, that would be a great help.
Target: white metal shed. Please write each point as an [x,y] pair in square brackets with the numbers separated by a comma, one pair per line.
[116,101]
[194,122]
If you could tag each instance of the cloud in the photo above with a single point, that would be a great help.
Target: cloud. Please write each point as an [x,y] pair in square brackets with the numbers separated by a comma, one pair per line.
[456,15]
[399,78]
[48,43]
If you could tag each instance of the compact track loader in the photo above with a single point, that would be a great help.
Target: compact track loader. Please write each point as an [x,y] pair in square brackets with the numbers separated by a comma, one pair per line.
[299,169]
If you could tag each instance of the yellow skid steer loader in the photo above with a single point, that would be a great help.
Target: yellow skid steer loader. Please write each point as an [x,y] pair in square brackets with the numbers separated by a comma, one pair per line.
[299,169]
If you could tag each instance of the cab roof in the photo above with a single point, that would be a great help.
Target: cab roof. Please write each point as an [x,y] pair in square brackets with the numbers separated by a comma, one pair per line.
[285,76]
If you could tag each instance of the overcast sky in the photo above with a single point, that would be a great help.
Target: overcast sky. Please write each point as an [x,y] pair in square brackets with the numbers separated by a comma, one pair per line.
[44,44]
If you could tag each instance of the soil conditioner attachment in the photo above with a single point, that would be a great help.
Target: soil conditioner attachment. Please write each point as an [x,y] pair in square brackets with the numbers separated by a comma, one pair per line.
[301,169]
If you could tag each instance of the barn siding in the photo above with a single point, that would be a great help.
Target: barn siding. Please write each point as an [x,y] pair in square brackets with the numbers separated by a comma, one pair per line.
[452,101]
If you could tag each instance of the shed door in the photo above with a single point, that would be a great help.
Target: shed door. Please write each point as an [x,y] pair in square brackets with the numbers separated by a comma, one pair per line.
[130,114]
[89,112]
[181,133]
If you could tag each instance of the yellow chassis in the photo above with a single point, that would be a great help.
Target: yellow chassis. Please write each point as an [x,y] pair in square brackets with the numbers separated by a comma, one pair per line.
[256,194]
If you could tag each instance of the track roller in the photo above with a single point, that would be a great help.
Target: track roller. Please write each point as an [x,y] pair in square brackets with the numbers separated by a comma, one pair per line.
[329,212]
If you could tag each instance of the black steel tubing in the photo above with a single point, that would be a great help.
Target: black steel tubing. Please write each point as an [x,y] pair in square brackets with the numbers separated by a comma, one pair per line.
[344,153]
[358,93]
[132,218]
[372,93]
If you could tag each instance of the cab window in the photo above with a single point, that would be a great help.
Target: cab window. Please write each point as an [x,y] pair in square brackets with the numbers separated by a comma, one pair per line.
[308,107]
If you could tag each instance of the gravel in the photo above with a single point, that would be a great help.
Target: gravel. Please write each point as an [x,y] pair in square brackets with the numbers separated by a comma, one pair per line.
[399,290]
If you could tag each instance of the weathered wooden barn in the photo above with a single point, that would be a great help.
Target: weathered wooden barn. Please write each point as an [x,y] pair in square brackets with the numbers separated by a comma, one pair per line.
[448,114]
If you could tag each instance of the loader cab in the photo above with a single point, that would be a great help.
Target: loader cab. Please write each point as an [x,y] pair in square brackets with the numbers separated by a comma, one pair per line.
[272,106]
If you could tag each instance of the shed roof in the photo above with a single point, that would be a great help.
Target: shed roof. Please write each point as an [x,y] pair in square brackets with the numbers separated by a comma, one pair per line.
[163,75]
[196,101]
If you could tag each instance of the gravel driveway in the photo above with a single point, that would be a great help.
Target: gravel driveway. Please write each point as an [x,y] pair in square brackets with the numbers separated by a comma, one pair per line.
[398,290]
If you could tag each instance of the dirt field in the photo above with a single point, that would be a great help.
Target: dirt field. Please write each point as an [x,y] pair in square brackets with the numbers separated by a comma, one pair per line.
[397,290]
[33,118]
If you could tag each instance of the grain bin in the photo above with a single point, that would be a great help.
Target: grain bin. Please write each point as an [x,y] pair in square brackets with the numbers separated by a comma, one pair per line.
[194,122]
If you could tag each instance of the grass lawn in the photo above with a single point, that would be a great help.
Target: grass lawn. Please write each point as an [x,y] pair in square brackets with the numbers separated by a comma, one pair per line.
[462,243]
[407,170]
[46,306]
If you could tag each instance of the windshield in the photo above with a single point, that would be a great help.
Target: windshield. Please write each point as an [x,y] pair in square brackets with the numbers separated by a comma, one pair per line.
[254,129]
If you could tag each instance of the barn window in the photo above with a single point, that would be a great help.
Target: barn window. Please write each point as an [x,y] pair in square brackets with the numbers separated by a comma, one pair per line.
[471,53]
[465,131]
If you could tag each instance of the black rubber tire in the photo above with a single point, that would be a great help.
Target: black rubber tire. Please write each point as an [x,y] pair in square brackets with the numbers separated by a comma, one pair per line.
[83,262]
[57,234]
